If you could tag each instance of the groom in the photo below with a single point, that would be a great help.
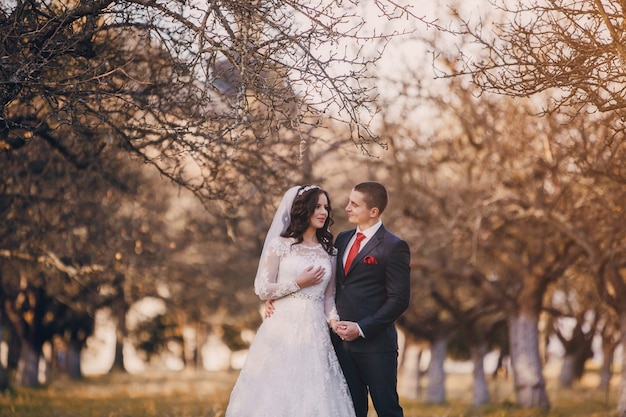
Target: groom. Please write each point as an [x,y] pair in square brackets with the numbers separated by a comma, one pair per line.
[372,292]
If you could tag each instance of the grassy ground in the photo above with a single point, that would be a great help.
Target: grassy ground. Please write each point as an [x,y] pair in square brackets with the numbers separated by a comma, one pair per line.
[206,394]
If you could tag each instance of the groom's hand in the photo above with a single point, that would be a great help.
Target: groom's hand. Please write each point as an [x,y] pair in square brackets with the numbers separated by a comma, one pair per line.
[347,330]
[269,308]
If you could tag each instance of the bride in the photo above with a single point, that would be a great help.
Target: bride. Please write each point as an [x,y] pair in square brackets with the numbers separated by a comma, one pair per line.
[291,369]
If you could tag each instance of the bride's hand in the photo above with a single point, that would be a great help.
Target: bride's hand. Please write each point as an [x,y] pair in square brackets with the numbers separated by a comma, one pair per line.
[269,308]
[310,276]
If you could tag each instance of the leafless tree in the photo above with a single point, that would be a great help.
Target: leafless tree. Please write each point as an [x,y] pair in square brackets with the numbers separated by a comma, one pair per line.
[572,45]
[198,89]
[573,49]
[493,174]
[219,97]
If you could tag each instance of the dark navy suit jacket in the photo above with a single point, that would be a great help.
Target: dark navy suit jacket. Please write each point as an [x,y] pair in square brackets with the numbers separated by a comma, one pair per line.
[376,289]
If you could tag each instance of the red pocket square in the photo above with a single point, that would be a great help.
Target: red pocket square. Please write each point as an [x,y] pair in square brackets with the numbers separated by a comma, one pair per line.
[370,260]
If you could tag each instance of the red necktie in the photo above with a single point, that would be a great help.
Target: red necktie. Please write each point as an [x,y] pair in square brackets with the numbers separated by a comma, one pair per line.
[353,251]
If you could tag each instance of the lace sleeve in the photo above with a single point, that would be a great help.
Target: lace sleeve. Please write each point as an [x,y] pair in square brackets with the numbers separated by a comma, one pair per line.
[329,295]
[266,284]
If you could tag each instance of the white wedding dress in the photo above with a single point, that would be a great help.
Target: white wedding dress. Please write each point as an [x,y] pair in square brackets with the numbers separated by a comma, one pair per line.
[291,369]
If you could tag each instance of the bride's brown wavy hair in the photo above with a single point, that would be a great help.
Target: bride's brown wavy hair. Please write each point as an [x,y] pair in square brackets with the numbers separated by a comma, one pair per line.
[302,209]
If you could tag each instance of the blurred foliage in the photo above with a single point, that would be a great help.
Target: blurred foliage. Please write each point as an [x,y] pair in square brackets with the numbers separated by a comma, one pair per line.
[153,335]
[232,337]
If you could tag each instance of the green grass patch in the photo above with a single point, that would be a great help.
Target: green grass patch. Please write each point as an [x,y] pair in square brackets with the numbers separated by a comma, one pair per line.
[205,394]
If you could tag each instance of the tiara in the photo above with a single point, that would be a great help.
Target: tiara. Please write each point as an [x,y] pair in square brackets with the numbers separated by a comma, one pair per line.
[307,188]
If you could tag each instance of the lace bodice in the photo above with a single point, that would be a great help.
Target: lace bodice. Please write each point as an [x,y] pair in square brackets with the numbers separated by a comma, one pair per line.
[281,265]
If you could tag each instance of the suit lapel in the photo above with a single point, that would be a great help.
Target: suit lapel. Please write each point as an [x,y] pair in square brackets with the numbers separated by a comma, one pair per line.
[341,251]
[369,246]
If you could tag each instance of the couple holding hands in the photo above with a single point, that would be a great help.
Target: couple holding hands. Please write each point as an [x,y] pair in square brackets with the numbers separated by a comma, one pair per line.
[357,287]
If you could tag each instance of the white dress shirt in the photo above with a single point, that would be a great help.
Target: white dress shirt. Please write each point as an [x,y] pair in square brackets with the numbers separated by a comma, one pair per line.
[369,232]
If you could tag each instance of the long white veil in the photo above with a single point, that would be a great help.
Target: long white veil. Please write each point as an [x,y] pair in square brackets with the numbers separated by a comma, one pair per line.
[281,221]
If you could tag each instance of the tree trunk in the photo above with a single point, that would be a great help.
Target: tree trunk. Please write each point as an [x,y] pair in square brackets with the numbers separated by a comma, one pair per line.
[59,356]
[201,337]
[606,369]
[436,391]
[481,392]
[530,386]
[120,337]
[118,359]
[568,370]
[577,350]
[621,396]
[74,348]
[4,381]
[189,349]
[28,365]
[501,366]
[13,355]
[418,374]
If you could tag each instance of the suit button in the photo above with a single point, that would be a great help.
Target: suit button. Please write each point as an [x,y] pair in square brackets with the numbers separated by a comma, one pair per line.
[343,286]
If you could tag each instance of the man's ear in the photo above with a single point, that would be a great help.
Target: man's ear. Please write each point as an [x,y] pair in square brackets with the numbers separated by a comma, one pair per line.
[374,212]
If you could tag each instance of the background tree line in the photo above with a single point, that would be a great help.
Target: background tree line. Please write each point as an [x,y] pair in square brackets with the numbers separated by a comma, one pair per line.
[512,203]
[101,100]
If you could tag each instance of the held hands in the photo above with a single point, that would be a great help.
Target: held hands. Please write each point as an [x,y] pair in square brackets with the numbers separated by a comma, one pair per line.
[346,330]
[312,275]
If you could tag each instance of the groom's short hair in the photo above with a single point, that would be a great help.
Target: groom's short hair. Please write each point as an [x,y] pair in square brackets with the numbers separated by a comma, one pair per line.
[374,193]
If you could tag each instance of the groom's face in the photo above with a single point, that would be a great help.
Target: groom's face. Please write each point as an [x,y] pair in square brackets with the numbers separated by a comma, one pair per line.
[358,212]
